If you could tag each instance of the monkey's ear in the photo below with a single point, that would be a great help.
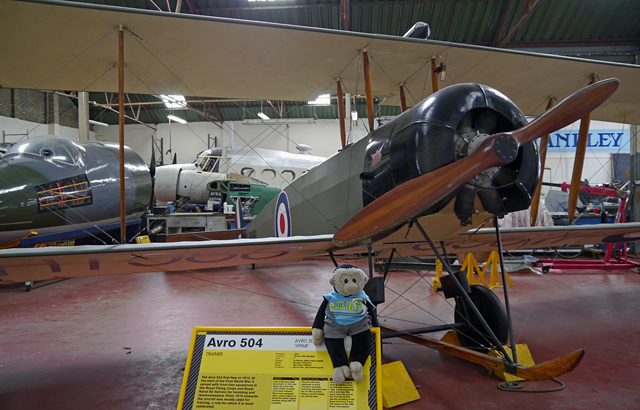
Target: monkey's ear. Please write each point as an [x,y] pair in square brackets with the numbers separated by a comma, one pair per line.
[363,278]
[332,282]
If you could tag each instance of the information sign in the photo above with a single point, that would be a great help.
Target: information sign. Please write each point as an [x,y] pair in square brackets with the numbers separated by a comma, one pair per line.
[271,368]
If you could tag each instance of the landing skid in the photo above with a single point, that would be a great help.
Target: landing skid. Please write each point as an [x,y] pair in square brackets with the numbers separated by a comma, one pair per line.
[543,371]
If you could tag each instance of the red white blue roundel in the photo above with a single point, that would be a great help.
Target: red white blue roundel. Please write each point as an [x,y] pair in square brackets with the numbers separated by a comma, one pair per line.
[283,216]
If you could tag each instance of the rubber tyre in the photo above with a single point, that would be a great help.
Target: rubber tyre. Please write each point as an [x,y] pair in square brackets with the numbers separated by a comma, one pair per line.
[473,335]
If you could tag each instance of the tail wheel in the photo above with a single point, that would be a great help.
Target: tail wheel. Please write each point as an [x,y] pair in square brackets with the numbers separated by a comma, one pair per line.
[472,334]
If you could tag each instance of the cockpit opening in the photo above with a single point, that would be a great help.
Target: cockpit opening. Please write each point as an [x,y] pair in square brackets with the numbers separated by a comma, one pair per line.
[57,150]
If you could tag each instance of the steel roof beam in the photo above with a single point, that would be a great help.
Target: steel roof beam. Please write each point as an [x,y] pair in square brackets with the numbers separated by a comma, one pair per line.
[154,5]
[528,11]
[322,5]
[577,43]
[151,117]
[192,7]
[503,17]
[217,111]
[205,116]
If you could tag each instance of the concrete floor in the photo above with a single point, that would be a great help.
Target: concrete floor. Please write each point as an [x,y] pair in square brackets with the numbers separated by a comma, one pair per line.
[121,342]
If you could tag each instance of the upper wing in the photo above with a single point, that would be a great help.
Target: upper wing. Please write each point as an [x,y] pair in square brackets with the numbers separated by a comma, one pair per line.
[74,46]
[24,265]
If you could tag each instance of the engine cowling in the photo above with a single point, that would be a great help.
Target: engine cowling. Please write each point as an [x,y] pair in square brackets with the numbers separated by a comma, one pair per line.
[443,128]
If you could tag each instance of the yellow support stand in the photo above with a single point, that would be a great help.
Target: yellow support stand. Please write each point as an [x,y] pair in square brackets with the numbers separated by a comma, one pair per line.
[397,386]
[452,338]
[494,261]
[524,358]
[471,265]
[435,282]
[143,239]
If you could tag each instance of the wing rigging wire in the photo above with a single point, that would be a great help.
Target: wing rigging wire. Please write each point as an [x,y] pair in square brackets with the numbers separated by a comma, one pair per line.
[401,295]
[610,160]
[422,278]
[141,40]
[77,56]
[274,129]
[409,82]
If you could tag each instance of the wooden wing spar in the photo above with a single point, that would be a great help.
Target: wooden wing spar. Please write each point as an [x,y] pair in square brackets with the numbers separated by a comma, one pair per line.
[419,194]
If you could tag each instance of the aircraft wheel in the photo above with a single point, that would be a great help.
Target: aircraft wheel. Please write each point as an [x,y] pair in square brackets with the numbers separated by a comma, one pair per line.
[473,336]
[545,269]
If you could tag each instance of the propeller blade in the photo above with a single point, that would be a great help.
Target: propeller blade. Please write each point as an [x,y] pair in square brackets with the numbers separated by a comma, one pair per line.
[568,111]
[418,195]
[152,166]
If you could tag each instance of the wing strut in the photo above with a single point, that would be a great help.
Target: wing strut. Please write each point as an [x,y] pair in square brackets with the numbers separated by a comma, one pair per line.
[581,149]
[544,144]
[343,132]
[403,99]
[435,85]
[367,88]
[123,216]
[504,288]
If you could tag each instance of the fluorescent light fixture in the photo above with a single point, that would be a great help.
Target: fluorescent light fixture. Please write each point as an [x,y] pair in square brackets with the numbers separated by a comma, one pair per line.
[174,101]
[176,119]
[323,99]
[102,124]
[263,116]
[280,121]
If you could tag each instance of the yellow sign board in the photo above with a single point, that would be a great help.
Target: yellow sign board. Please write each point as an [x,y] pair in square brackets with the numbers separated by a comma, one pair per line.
[232,368]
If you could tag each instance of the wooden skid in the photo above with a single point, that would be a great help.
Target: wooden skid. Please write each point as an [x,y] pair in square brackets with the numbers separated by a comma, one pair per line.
[543,371]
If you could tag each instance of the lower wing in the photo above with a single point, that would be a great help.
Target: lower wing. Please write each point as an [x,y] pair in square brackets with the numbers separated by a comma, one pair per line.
[24,265]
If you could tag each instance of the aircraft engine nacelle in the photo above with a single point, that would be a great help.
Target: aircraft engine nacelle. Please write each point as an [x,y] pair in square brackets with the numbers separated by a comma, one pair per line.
[445,127]
[166,182]
[176,181]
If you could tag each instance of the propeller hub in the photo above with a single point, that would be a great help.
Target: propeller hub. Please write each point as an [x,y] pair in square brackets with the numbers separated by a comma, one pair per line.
[506,148]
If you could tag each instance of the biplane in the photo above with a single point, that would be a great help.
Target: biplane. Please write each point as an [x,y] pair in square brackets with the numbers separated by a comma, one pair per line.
[454,161]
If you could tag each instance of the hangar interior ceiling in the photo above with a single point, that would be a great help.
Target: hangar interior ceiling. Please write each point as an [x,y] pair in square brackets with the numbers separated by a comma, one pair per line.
[596,29]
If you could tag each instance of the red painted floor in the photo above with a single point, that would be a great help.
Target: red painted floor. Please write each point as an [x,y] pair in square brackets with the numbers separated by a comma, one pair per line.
[121,342]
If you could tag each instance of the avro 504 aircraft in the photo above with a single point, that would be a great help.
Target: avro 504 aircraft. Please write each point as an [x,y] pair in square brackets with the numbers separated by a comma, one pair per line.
[455,160]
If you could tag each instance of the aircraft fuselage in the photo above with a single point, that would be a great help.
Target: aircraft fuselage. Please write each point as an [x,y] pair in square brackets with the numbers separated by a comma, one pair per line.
[51,184]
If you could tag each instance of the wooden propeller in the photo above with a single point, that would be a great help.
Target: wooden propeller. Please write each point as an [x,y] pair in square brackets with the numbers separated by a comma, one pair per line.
[416,196]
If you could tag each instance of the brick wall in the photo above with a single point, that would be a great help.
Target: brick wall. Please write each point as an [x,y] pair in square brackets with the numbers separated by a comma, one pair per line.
[6,105]
[39,107]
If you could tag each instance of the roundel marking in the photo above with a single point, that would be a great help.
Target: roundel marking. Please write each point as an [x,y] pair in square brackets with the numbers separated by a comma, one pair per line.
[283,216]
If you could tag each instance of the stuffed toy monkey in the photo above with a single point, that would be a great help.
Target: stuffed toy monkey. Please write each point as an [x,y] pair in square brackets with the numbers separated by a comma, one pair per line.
[347,311]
